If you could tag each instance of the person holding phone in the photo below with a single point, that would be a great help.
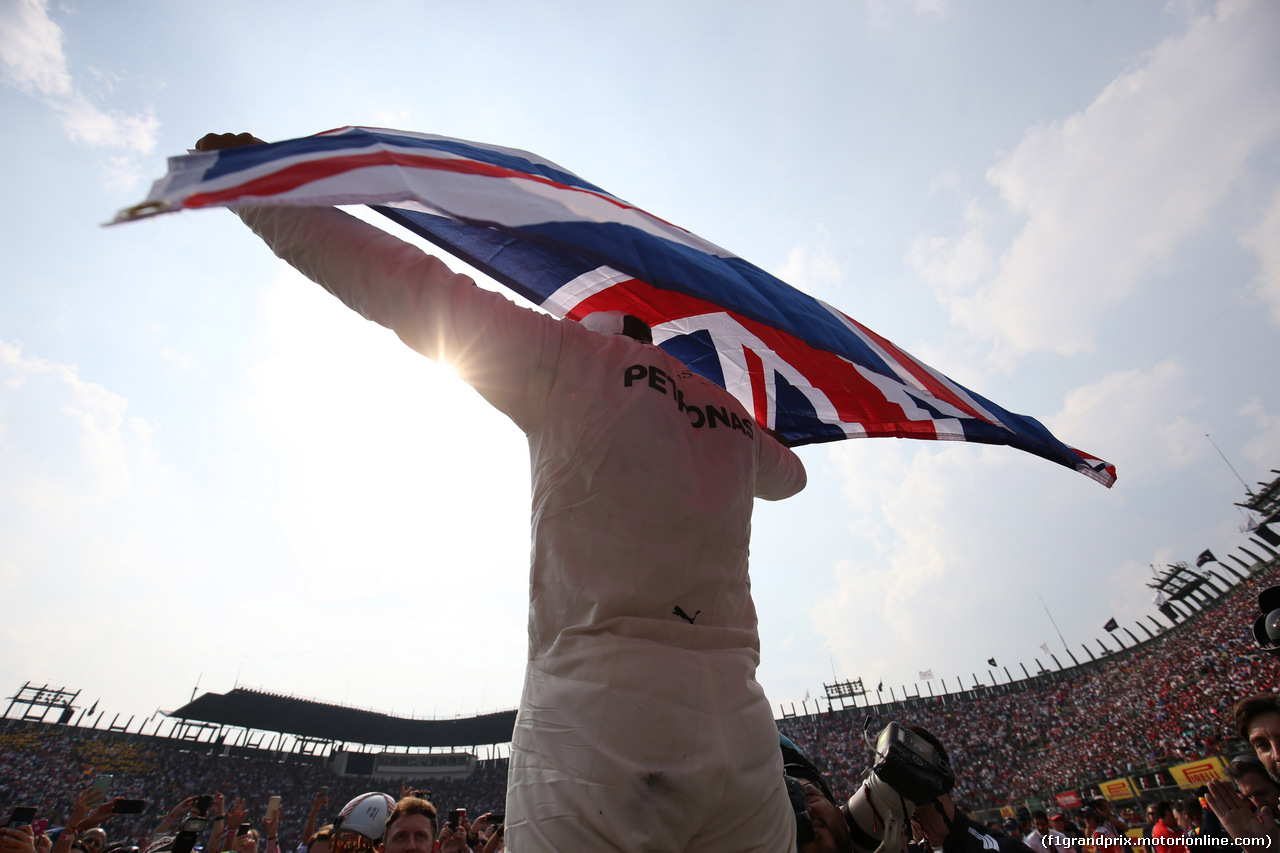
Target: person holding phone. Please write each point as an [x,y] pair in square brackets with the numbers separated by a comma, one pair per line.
[271,823]
[17,836]
[88,813]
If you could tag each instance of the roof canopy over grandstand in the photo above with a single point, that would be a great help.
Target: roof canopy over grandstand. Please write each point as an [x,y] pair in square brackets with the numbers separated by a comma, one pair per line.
[1265,501]
[253,710]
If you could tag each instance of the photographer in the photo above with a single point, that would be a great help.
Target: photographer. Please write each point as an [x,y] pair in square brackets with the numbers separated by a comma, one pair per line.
[947,827]
[910,773]
[826,830]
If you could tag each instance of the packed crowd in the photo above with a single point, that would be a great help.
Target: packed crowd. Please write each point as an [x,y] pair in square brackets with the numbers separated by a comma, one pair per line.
[1165,703]
[47,767]
[1162,704]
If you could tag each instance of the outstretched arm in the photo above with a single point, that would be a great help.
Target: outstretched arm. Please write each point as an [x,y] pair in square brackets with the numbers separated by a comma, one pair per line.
[506,352]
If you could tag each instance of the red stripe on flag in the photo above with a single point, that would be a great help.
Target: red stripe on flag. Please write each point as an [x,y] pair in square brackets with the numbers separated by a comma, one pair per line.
[926,379]
[290,178]
[856,399]
[759,395]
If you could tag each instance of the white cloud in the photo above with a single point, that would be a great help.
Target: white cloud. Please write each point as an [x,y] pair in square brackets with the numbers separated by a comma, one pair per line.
[899,496]
[931,520]
[1109,193]
[1136,419]
[1263,448]
[950,264]
[34,62]
[811,269]
[88,123]
[180,361]
[64,442]
[1264,239]
[883,11]
[31,49]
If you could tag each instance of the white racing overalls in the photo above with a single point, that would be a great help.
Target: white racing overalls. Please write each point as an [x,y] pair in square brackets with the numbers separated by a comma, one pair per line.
[641,726]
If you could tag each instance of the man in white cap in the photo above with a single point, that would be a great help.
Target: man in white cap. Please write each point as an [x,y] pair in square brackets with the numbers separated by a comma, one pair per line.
[641,725]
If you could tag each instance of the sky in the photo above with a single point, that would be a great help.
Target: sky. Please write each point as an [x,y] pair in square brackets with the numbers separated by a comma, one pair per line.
[212,474]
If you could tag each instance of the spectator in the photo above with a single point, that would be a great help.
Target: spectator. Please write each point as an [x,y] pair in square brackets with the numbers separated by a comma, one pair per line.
[1093,825]
[93,840]
[1165,828]
[1257,720]
[361,824]
[1253,829]
[1045,829]
[1115,825]
[1253,781]
[309,835]
[1190,816]
[947,827]
[411,828]
[1061,823]
[317,842]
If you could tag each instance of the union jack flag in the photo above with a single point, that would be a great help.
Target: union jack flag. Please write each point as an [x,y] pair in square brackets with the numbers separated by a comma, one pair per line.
[805,369]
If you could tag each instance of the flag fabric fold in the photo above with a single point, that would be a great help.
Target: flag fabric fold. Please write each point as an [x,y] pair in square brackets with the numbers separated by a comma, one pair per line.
[801,367]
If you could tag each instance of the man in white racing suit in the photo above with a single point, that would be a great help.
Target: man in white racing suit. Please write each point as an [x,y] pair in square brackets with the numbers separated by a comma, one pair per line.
[641,725]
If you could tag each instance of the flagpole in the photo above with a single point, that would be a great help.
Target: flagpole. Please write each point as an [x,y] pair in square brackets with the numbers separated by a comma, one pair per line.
[1055,624]
[1247,490]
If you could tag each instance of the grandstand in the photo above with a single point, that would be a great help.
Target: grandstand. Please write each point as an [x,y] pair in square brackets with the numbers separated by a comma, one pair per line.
[1132,723]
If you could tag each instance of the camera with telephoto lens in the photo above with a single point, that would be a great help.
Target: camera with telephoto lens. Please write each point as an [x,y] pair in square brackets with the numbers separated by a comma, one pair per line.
[188,831]
[908,772]
[1266,629]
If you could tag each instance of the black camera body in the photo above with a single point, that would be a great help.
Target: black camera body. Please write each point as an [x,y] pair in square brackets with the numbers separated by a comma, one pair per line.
[911,766]
[190,829]
[908,772]
[1266,629]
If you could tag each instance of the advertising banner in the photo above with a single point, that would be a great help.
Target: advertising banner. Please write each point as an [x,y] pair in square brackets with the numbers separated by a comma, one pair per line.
[1118,789]
[1068,799]
[1194,774]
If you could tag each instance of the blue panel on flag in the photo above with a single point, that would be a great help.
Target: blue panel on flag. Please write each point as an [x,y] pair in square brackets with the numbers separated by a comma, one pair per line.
[698,352]
[527,268]
[732,283]
[796,416]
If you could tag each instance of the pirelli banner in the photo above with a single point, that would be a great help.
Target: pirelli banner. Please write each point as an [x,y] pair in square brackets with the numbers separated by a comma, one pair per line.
[1118,789]
[1194,774]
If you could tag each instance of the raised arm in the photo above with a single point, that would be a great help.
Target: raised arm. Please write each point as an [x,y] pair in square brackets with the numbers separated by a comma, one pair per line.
[508,353]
